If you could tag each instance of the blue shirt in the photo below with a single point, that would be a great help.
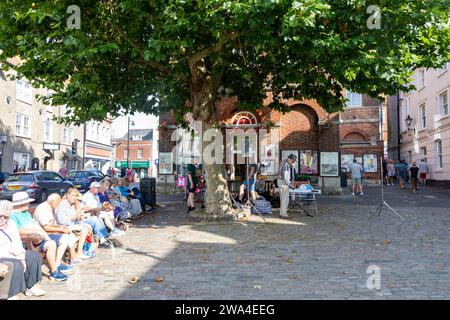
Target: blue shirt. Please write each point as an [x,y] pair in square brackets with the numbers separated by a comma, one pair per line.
[124,191]
[23,220]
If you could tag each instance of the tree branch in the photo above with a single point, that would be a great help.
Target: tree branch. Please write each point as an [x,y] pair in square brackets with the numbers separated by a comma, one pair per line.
[214,49]
[135,45]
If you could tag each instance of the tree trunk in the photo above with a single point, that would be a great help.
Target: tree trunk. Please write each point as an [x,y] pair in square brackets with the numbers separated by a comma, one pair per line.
[203,91]
[217,201]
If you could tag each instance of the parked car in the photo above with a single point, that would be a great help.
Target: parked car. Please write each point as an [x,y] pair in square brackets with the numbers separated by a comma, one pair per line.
[83,178]
[38,184]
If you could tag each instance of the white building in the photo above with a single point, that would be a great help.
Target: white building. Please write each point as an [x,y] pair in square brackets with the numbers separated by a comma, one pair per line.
[428,135]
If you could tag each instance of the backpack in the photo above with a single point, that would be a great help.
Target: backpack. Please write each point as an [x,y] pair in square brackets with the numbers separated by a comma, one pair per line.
[262,206]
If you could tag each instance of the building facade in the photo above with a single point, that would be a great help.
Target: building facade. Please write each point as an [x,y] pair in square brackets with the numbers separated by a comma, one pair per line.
[30,136]
[137,152]
[423,123]
[307,130]
[98,147]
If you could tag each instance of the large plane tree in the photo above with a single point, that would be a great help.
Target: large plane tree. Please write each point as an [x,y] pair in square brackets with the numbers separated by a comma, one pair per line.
[152,56]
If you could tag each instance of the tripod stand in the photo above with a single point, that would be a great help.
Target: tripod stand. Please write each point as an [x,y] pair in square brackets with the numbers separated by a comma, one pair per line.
[377,211]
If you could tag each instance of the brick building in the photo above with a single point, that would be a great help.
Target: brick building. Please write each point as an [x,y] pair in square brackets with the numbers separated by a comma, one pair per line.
[307,130]
[140,150]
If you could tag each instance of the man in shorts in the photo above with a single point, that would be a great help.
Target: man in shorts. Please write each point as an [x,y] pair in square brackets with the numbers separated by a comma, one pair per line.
[356,171]
[423,171]
[50,244]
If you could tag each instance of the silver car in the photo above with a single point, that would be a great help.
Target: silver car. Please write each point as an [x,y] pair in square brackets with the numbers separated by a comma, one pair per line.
[38,184]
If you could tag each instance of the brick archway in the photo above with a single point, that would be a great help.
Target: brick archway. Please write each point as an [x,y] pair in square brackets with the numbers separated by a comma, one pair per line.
[300,128]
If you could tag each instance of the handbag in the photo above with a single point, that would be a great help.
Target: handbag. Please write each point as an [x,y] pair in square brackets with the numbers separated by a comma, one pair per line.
[262,206]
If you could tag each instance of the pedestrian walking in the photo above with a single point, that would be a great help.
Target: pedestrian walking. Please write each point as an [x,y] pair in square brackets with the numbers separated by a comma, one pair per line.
[390,172]
[402,172]
[192,182]
[414,172]
[423,171]
[356,172]
[123,172]
[63,171]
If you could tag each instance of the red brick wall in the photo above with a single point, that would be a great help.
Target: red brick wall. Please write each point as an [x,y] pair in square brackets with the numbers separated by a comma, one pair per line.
[145,145]
[299,129]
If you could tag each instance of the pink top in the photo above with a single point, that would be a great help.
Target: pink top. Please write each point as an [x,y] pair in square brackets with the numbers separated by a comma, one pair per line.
[10,242]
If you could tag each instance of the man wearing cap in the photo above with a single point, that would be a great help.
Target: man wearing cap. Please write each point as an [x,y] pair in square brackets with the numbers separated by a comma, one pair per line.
[50,244]
[93,205]
[25,273]
[284,183]
[70,214]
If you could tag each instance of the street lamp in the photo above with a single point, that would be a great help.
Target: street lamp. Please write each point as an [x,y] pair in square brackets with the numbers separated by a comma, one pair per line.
[128,142]
[409,122]
[3,140]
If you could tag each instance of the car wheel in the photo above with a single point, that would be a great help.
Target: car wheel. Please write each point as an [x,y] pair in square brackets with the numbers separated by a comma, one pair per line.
[43,196]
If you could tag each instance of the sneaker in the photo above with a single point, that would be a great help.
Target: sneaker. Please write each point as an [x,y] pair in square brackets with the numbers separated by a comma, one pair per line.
[361,194]
[105,245]
[16,297]
[117,233]
[35,291]
[65,268]
[353,193]
[58,276]
[285,217]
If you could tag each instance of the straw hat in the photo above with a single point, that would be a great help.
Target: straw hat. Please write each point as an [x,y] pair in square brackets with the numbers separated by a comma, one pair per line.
[21,197]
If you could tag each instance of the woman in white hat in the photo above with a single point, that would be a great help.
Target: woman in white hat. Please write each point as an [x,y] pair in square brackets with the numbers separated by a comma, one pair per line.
[26,265]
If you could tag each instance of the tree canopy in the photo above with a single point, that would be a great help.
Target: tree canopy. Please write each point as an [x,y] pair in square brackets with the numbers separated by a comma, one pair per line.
[182,55]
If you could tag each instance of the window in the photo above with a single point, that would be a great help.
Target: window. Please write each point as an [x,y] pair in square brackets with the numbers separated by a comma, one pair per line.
[443,103]
[21,160]
[423,117]
[354,99]
[423,151]
[125,154]
[438,145]
[443,69]
[140,153]
[24,91]
[421,79]
[23,125]
[67,135]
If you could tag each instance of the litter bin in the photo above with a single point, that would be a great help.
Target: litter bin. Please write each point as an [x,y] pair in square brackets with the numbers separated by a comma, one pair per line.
[148,191]
[344,177]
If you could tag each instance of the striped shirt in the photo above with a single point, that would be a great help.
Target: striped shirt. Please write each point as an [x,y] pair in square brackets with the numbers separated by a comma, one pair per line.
[284,172]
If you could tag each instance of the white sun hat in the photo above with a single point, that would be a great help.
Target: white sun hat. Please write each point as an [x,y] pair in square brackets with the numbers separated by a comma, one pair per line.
[21,197]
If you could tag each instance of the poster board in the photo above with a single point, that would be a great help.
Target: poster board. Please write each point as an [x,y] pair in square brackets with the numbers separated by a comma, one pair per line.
[308,161]
[165,163]
[329,164]
[346,161]
[286,153]
[370,162]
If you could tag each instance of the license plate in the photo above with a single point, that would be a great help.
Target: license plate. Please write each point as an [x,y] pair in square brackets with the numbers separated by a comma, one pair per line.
[15,187]
[78,186]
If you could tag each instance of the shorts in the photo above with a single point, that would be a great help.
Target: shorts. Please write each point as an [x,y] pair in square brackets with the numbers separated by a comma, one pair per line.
[189,190]
[391,174]
[252,184]
[54,237]
[356,180]
[423,176]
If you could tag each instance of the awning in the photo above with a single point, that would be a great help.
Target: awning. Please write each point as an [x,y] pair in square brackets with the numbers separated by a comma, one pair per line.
[134,164]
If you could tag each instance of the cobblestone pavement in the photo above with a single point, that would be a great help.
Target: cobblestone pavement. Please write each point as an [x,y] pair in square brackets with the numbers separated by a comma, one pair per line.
[322,257]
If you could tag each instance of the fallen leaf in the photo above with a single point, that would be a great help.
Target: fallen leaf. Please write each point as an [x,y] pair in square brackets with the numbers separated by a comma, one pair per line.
[290,261]
[134,280]
[146,288]
[417,225]
[386,242]
[257,286]
[159,279]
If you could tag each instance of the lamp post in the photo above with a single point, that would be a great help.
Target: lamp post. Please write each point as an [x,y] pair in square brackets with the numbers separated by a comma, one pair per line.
[128,142]
[409,122]
[3,140]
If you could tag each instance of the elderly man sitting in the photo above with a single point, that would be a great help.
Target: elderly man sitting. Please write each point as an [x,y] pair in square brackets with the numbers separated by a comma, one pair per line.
[50,244]
[93,205]
[45,217]
[70,214]
[25,273]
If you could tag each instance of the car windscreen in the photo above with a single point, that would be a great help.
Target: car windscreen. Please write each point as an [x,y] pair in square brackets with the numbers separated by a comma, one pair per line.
[79,174]
[20,178]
